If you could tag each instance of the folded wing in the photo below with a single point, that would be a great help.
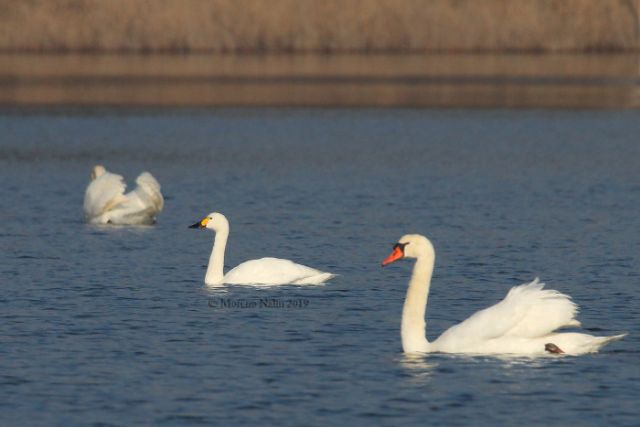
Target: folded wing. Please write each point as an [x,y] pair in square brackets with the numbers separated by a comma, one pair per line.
[274,271]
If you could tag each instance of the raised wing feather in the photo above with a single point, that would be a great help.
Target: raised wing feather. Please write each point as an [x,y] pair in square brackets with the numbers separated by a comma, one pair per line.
[103,193]
[148,192]
[528,311]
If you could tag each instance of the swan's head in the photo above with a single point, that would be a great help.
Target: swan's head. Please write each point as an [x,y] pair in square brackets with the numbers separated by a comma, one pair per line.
[410,246]
[97,172]
[214,221]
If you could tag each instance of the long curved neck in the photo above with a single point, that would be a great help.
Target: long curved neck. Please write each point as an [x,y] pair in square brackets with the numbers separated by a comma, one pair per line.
[215,270]
[413,329]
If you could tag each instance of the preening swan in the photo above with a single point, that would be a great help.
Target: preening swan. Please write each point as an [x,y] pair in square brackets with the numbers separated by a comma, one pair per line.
[523,323]
[106,203]
[264,271]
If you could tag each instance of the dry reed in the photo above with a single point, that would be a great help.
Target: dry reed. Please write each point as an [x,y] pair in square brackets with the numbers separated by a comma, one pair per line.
[319,25]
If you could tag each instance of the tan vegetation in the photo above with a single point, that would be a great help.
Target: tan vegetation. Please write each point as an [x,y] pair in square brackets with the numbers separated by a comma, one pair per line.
[319,25]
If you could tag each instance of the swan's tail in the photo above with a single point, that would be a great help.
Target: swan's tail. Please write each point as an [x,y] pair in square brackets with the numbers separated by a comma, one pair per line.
[602,341]
[593,344]
[574,343]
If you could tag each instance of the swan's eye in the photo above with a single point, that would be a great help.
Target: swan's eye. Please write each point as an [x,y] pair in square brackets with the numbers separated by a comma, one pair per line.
[400,246]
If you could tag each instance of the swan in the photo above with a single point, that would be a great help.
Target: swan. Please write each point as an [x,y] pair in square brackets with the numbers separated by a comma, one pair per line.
[523,323]
[264,271]
[106,203]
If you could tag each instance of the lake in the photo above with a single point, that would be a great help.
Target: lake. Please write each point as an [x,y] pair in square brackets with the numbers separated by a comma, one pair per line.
[113,326]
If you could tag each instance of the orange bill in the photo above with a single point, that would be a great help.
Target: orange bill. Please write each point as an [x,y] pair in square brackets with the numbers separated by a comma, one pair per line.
[395,255]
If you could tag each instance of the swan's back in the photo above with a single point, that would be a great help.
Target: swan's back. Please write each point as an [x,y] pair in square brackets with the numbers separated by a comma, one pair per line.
[105,201]
[141,205]
[274,271]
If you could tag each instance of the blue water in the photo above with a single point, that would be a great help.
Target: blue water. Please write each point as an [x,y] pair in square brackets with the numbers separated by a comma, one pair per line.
[113,326]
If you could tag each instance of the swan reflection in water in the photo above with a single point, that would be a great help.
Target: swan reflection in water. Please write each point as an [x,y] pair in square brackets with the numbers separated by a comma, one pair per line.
[421,367]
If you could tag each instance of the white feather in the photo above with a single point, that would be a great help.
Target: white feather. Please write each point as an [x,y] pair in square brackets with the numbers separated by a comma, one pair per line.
[523,323]
[106,203]
[263,271]
[273,271]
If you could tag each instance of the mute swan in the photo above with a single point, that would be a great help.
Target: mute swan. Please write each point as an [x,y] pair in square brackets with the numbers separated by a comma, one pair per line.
[522,323]
[264,271]
[106,203]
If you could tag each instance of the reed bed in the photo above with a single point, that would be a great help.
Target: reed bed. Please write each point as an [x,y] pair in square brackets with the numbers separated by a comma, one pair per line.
[319,25]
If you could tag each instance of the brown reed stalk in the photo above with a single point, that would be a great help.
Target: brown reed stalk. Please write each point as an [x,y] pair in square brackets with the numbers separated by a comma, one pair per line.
[319,25]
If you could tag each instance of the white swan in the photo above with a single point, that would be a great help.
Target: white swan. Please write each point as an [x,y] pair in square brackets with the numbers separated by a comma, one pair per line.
[264,271]
[522,323]
[106,203]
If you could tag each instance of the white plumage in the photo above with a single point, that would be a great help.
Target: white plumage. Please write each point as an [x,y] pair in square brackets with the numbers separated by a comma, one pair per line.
[272,271]
[105,201]
[263,271]
[524,322]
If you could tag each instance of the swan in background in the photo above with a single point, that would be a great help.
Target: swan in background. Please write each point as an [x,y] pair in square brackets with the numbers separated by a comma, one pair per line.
[264,271]
[522,323]
[106,203]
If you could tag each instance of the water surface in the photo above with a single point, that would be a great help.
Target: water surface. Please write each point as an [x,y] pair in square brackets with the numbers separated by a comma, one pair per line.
[113,326]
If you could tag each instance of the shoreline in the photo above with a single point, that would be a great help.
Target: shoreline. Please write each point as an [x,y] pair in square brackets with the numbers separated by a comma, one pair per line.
[350,81]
